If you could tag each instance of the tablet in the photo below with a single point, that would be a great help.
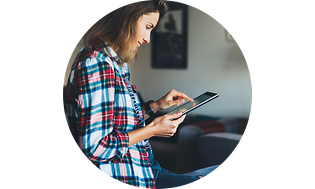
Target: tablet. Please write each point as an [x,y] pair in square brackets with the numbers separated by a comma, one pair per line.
[198,102]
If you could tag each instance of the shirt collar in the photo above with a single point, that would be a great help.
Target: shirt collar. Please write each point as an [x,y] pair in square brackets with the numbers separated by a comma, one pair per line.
[110,52]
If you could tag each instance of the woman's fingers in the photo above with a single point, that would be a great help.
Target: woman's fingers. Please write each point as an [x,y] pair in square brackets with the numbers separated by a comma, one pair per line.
[167,125]
[173,116]
[172,98]
[178,98]
[179,95]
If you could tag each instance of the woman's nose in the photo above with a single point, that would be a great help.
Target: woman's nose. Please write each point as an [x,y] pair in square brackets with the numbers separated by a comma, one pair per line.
[147,37]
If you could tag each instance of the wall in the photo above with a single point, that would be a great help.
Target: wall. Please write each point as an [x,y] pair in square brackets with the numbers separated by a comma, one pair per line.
[214,65]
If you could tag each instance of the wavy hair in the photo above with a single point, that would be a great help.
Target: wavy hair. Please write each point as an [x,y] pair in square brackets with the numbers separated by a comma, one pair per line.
[118,28]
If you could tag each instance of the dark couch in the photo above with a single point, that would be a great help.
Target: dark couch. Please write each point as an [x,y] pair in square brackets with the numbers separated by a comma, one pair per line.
[200,141]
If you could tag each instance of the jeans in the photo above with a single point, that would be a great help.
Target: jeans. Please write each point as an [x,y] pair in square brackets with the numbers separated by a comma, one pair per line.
[167,179]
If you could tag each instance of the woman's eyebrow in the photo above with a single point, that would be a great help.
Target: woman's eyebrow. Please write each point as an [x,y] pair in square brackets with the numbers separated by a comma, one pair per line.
[151,25]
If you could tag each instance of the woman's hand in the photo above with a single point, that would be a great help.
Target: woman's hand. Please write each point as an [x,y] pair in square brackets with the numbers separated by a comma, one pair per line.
[163,126]
[172,98]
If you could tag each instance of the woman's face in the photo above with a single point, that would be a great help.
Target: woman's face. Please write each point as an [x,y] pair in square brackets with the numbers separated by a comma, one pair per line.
[144,27]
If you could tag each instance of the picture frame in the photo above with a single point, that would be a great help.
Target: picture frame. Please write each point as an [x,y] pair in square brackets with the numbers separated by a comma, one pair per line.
[169,38]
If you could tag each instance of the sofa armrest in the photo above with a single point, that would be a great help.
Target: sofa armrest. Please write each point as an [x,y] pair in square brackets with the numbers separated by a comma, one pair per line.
[215,148]
[234,124]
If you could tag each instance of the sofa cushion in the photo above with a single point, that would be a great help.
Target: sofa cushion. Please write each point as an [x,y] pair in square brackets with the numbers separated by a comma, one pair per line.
[215,148]
[211,126]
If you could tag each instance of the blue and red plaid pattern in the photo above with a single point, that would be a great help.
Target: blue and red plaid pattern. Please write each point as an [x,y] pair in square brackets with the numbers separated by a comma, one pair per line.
[99,112]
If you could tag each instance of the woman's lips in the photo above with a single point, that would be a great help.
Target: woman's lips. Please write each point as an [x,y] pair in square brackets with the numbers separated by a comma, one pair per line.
[139,44]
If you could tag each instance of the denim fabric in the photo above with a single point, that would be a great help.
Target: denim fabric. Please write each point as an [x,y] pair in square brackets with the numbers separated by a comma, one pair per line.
[203,172]
[167,179]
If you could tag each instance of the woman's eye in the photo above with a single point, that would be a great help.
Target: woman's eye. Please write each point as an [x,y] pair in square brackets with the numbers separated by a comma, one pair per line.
[147,27]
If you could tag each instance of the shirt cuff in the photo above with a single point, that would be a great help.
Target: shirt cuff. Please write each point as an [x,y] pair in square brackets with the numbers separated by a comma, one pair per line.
[122,146]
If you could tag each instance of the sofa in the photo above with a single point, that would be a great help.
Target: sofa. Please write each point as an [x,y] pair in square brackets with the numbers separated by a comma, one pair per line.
[200,141]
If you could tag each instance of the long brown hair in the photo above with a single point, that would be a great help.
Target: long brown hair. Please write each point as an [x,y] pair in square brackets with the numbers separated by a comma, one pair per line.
[118,28]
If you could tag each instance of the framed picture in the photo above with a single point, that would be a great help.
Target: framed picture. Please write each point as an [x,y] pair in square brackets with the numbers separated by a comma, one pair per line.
[169,39]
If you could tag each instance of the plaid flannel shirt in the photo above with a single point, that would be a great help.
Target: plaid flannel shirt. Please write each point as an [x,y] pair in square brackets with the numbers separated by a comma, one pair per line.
[100,112]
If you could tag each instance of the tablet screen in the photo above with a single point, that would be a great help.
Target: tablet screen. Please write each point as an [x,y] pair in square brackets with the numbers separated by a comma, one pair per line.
[198,101]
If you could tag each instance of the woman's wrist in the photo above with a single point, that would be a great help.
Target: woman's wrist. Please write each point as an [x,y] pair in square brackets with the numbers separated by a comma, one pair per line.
[155,106]
[151,129]
[140,134]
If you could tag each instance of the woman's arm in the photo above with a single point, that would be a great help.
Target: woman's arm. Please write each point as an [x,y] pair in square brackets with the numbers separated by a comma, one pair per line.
[154,107]
[95,84]
[160,126]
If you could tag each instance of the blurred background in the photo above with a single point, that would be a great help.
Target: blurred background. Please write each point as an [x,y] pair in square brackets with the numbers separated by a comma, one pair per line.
[214,63]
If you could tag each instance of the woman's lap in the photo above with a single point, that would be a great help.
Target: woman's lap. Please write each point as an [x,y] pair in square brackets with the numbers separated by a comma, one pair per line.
[167,179]
[204,171]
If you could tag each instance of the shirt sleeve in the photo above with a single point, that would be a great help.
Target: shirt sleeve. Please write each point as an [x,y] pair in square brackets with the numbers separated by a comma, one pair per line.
[96,94]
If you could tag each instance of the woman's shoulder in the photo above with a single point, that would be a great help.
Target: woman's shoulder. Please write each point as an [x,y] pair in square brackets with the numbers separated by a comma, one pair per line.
[93,56]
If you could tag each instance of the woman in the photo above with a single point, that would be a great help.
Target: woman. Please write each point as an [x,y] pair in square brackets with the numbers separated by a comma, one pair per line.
[103,109]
